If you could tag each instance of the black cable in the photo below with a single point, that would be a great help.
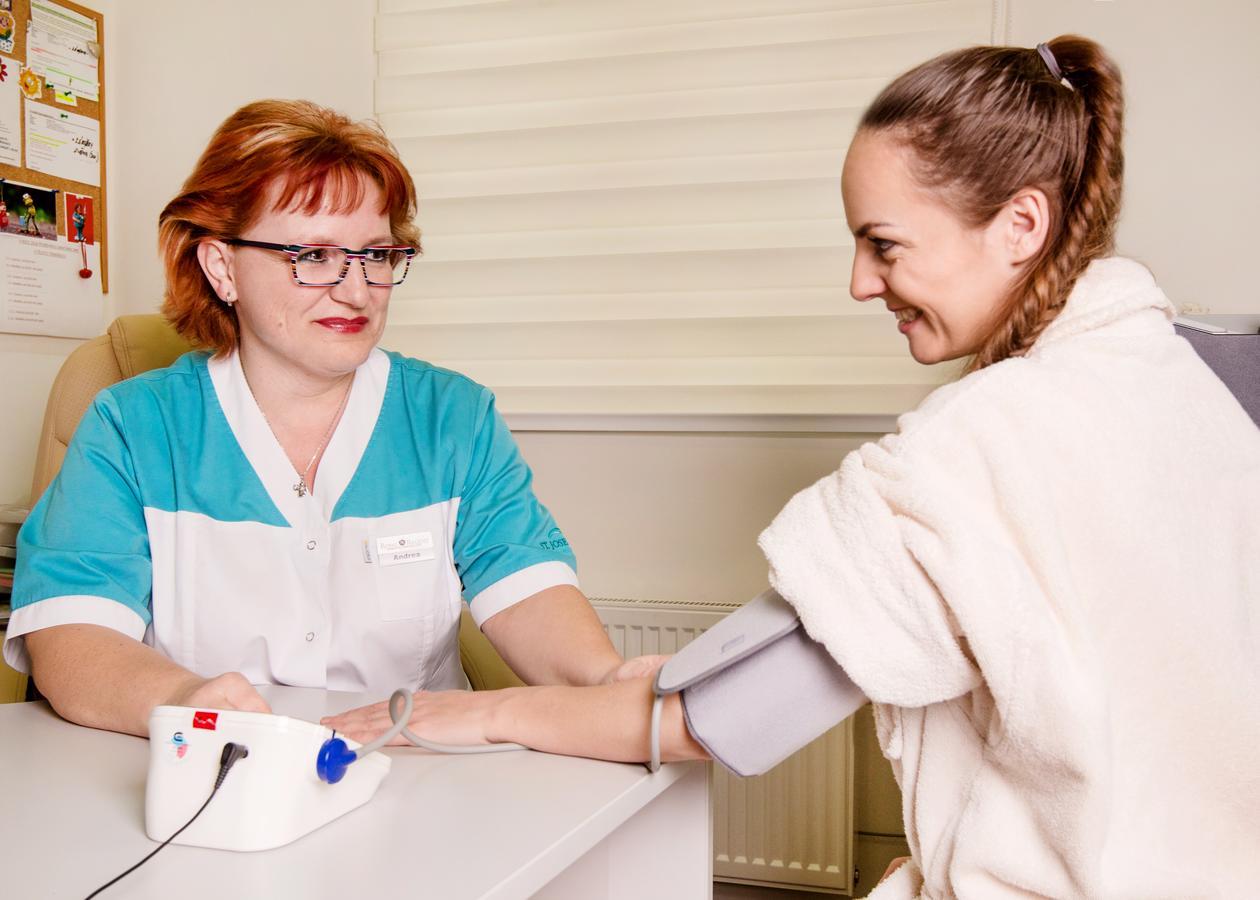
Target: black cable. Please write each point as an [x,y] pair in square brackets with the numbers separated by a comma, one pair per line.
[231,754]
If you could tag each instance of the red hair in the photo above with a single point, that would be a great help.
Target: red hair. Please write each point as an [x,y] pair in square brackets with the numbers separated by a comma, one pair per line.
[309,155]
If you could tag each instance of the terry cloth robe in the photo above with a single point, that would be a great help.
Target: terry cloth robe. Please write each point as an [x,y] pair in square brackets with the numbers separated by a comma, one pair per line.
[1048,582]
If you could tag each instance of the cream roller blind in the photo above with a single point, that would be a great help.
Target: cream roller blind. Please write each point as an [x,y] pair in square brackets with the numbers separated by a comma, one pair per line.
[632,207]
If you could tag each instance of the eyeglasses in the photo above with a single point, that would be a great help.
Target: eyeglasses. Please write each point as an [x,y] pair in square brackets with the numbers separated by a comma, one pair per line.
[325,265]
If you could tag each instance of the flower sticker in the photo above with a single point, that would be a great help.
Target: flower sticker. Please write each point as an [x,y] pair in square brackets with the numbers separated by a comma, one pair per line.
[7,24]
[32,85]
[4,72]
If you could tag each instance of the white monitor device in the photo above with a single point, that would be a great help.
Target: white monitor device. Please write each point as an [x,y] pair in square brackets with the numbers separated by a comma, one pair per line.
[271,797]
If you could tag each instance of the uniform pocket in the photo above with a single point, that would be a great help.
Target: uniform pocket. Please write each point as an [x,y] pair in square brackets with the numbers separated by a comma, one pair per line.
[405,592]
[408,573]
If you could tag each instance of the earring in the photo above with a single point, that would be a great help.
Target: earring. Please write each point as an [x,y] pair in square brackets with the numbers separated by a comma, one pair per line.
[228,298]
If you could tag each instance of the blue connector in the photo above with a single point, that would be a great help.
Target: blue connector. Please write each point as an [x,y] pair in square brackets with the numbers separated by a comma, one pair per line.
[333,759]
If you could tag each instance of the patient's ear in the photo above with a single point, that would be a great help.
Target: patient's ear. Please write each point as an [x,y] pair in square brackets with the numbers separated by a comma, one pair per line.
[1025,224]
[215,258]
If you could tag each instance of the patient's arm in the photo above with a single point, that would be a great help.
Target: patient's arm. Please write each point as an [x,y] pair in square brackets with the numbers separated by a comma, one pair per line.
[608,721]
[96,676]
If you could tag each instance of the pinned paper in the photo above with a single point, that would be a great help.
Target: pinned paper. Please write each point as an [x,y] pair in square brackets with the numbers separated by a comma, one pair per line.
[79,218]
[31,211]
[64,144]
[63,19]
[42,292]
[10,115]
[61,46]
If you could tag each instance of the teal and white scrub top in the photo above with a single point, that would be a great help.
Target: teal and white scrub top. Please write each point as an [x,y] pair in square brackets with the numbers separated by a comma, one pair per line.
[174,520]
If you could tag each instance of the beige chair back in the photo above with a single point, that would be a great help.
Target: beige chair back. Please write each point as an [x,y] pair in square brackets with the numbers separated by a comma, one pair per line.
[133,344]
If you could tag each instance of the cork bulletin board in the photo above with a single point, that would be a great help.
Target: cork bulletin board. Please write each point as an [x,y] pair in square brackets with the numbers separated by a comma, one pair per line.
[53,228]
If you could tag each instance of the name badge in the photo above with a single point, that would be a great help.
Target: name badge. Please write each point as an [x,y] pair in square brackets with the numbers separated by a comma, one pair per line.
[405,548]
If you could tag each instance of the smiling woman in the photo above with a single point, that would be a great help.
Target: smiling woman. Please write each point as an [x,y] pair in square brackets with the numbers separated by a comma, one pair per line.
[945,284]
[290,504]
[1048,596]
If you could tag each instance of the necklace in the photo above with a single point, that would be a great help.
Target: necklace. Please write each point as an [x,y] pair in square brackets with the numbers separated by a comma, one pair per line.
[302,488]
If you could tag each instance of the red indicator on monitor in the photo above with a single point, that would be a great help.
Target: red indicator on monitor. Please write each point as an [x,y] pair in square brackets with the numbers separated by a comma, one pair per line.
[206,720]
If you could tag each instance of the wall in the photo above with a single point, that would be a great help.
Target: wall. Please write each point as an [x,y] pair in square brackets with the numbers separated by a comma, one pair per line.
[1190,70]
[674,516]
[174,70]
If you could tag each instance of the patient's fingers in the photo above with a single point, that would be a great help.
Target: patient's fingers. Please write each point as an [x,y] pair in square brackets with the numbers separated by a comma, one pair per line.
[637,667]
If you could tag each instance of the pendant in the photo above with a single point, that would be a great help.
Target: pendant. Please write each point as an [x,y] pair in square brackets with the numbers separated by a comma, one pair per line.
[300,487]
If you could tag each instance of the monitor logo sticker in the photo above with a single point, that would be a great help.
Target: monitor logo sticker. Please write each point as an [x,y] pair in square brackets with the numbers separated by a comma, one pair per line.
[206,720]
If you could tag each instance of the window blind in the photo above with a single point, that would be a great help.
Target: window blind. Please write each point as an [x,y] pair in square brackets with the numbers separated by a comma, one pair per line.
[631,208]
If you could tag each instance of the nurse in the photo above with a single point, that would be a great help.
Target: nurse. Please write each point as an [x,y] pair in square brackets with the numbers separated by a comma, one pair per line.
[290,504]
[1045,579]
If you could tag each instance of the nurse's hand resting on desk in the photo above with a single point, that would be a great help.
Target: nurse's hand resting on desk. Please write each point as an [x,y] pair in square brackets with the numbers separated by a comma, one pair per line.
[98,677]
[230,690]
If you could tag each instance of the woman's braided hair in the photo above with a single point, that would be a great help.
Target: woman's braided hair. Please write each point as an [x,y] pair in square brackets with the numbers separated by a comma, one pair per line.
[984,123]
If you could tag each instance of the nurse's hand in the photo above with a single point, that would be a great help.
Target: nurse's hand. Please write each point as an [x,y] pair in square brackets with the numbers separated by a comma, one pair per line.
[636,667]
[446,717]
[230,690]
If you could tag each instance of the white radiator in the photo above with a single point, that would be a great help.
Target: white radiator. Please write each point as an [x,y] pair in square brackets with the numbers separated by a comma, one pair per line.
[792,826]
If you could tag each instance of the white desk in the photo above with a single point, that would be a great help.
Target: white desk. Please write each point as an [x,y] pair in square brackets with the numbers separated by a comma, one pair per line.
[505,825]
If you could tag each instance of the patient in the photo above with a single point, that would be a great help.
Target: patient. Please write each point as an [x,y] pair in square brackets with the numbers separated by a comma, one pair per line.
[290,504]
[1046,578]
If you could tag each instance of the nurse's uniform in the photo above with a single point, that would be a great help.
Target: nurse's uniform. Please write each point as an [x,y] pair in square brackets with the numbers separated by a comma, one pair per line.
[175,520]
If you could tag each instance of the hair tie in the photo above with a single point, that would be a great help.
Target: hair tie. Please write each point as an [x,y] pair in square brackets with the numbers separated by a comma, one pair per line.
[1047,57]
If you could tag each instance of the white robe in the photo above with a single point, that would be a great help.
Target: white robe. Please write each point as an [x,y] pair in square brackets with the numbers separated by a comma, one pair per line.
[1048,581]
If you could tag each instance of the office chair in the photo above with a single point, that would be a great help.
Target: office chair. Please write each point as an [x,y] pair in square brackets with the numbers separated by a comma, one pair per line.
[138,343]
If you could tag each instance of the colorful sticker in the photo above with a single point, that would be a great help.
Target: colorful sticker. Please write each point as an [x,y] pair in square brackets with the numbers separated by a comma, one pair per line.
[179,745]
[7,26]
[32,85]
[206,720]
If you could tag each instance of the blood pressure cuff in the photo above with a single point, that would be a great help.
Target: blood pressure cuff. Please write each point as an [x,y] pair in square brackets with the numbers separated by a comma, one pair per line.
[756,688]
